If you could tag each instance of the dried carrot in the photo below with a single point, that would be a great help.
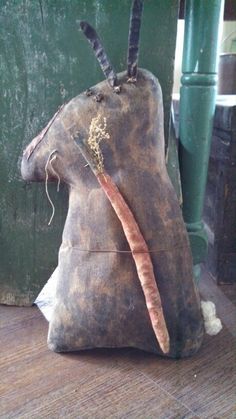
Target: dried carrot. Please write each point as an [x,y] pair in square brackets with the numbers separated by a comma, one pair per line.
[91,152]
[141,258]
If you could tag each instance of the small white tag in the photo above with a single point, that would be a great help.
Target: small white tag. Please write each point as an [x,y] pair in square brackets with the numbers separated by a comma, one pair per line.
[46,298]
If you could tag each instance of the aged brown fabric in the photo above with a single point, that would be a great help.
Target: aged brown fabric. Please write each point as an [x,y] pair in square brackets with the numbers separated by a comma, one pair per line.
[99,300]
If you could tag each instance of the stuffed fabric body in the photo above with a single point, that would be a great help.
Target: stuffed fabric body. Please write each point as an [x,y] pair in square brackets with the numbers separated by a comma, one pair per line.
[99,300]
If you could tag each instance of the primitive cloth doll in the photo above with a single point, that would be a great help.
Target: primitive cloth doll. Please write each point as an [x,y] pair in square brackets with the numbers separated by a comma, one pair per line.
[124,276]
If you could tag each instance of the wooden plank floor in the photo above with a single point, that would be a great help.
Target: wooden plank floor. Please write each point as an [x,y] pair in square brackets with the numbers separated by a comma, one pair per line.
[36,383]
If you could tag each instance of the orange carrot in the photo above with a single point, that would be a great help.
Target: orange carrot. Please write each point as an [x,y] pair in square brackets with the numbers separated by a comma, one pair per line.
[141,258]
[92,153]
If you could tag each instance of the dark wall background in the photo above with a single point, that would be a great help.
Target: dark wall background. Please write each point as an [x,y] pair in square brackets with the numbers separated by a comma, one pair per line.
[45,61]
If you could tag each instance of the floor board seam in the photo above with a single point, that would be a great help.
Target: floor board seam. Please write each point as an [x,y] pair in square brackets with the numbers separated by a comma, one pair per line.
[169,394]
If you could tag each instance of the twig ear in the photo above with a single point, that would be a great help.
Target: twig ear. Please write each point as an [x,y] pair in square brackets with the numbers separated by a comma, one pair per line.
[100,53]
[133,44]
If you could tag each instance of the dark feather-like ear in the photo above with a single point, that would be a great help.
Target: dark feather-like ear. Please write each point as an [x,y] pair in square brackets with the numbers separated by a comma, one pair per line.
[100,53]
[133,44]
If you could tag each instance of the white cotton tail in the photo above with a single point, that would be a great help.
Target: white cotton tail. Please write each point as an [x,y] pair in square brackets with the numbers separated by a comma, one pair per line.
[212,323]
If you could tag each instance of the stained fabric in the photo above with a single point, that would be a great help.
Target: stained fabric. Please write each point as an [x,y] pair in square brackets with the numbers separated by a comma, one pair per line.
[99,301]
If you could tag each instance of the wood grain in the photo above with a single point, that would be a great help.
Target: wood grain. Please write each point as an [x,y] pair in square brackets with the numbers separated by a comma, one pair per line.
[37,383]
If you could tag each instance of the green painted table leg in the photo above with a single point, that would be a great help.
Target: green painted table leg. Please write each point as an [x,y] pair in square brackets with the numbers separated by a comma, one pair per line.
[197,105]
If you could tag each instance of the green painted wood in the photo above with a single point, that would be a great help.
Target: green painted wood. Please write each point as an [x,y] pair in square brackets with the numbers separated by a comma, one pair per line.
[45,61]
[197,106]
